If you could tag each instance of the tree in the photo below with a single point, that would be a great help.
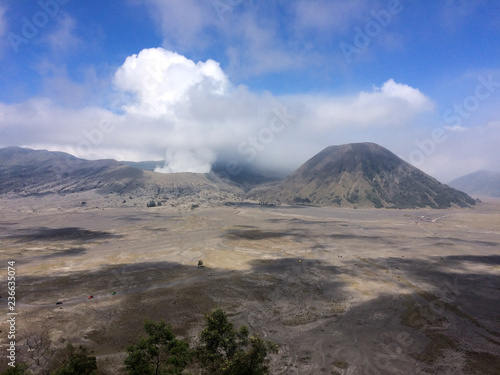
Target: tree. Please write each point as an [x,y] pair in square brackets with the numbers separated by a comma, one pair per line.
[253,361]
[227,351]
[158,353]
[40,353]
[77,362]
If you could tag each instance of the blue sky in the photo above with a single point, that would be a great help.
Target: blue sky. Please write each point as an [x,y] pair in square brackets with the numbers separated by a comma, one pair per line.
[200,81]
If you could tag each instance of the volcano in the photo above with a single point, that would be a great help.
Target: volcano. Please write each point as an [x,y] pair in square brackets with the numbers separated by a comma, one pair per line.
[364,175]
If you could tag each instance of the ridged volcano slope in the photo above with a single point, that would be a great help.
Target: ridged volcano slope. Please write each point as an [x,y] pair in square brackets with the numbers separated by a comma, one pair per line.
[365,175]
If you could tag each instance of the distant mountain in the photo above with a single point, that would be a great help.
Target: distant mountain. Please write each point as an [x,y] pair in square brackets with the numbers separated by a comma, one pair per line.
[480,183]
[365,175]
[27,172]
[360,174]
[247,177]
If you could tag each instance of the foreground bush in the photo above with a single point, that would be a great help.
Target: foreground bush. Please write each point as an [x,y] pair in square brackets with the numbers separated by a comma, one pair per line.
[222,350]
[158,353]
[78,362]
[227,351]
[16,370]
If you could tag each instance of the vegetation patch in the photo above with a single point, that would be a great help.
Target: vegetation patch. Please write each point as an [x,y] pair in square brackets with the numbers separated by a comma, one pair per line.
[417,316]
[341,364]
[423,319]
[481,363]
[253,234]
[434,350]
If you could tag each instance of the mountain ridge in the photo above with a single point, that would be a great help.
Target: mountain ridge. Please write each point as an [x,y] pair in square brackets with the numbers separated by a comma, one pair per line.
[27,172]
[357,174]
[365,175]
[481,183]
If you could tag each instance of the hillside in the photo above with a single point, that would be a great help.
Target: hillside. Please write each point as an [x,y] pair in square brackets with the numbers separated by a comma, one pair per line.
[480,183]
[360,174]
[27,172]
[365,175]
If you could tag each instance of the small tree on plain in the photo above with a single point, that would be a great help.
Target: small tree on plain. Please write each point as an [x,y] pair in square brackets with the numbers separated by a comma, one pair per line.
[40,353]
[229,351]
[77,362]
[158,353]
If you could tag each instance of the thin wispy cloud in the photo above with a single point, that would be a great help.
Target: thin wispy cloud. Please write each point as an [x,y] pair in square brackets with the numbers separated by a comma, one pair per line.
[3,29]
[63,38]
[183,24]
[455,12]
[328,16]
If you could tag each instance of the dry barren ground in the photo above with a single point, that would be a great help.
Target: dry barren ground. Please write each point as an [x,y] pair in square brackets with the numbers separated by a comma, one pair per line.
[342,291]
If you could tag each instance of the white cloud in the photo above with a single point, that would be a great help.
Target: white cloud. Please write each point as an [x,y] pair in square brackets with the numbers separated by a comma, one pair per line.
[256,38]
[190,114]
[184,23]
[63,38]
[391,104]
[408,95]
[455,128]
[90,90]
[257,49]
[161,79]
[195,161]
[252,34]
[455,12]
[324,16]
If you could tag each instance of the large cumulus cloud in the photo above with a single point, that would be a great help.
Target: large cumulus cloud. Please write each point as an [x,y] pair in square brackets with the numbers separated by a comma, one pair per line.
[167,106]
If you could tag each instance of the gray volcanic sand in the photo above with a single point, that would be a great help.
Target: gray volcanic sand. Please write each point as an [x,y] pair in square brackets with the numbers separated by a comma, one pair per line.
[341,291]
